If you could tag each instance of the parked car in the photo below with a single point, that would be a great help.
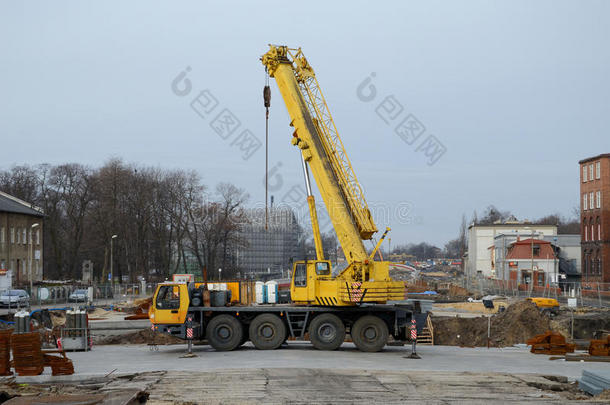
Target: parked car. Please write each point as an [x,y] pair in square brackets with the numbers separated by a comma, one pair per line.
[14,298]
[78,296]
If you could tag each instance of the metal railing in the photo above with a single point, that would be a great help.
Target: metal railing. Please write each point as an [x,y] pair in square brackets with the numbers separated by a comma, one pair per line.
[59,295]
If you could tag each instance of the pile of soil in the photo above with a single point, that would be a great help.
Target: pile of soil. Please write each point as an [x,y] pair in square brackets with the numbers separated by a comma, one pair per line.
[143,336]
[518,323]
[455,291]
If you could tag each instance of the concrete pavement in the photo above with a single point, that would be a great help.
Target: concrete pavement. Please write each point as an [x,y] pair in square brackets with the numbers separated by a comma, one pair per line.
[139,358]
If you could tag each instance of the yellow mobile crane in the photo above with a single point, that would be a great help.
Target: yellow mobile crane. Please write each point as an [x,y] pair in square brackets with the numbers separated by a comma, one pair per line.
[324,308]
[315,133]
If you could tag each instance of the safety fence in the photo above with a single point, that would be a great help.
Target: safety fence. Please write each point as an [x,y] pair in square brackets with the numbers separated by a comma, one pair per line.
[592,294]
[72,294]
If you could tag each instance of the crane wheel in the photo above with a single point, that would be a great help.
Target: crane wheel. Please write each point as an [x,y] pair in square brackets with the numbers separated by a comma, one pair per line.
[326,332]
[369,333]
[224,332]
[267,332]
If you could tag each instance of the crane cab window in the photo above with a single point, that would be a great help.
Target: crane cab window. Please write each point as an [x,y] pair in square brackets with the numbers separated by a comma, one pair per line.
[322,269]
[300,275]
[168,297]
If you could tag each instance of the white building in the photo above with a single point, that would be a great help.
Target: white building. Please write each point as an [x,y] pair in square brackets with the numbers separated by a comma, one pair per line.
[478,260]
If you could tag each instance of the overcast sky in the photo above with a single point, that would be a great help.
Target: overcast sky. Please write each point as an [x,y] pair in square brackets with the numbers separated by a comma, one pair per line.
[516,92]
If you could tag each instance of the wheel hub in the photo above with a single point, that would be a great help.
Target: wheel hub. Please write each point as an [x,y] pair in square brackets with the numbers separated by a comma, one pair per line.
[224,332]
[267,331]
[327,332]
[370,333]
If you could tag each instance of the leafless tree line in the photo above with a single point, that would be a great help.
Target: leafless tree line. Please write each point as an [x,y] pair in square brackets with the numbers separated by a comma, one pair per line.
[166,221]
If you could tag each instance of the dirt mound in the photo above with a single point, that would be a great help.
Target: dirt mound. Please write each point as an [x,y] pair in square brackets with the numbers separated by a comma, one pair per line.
[455,291]
[143,336]
[518,323]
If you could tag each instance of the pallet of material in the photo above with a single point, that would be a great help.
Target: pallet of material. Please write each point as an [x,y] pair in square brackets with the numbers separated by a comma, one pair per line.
[550,343]
[594,382]
[600,347]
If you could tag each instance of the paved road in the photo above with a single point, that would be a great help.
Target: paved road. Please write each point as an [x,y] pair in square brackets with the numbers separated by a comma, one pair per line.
[327,386]
[138,358]
[301,374]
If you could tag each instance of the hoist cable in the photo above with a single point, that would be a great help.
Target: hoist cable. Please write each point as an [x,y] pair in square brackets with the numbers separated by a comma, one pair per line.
[267,103]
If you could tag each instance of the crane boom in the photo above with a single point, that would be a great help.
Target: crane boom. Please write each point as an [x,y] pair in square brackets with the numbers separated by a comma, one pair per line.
[364,280]
[317,136]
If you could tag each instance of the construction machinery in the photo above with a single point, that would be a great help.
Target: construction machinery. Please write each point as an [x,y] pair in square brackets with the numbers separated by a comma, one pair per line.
[322,151]
[361,300]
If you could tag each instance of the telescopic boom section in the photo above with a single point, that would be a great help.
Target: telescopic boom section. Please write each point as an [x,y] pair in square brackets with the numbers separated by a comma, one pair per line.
[316,135]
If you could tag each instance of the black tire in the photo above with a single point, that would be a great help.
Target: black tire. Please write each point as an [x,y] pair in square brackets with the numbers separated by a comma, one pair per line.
[267,332]
[224,332]
[326,332]
[369,333]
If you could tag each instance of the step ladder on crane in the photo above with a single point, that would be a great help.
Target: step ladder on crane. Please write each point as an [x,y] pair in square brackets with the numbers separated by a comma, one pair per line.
[426,337]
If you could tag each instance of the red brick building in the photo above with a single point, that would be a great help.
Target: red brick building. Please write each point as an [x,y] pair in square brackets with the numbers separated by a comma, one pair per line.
[595,218]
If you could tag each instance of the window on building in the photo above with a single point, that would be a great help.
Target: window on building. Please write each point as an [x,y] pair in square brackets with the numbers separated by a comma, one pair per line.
[18,232]
[2,235]
[24,233]
[584,202]
[599,231]
[591,171]
[12,235]
[598,199]
[592,232]
[37,237]
[584,174]
[586,235]
[536,250]
[591,206]
[598,170]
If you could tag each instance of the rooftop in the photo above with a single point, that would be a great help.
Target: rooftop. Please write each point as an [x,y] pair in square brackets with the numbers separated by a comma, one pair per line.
[603,155]
[11,204]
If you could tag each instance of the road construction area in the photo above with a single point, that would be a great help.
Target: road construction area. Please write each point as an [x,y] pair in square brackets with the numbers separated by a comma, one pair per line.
[299,373]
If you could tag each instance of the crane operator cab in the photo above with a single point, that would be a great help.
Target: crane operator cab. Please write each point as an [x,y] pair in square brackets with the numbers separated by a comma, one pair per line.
[313,284]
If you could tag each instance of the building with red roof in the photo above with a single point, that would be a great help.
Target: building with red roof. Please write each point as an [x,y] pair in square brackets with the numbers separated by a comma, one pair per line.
[532,261]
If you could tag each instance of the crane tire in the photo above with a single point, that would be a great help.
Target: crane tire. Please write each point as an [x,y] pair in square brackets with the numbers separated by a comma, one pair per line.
[326,332]
[224,332]
[369,333]
[267,332]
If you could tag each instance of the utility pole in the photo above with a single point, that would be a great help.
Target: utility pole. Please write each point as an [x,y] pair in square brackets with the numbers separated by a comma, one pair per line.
[111,257]
[31,258]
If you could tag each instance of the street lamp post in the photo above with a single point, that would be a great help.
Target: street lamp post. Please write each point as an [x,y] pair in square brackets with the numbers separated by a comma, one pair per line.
[111,256]
[31,257]
[219,274]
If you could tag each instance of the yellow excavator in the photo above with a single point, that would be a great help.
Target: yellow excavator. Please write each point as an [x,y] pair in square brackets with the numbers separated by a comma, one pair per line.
[322,151]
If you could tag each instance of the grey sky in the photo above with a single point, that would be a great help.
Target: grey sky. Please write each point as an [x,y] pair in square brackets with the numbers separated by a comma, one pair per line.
[517,91]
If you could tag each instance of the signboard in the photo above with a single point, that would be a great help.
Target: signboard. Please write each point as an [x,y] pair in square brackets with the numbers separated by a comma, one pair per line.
[512,264]
[572,302]
[3,272]
[183,278]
